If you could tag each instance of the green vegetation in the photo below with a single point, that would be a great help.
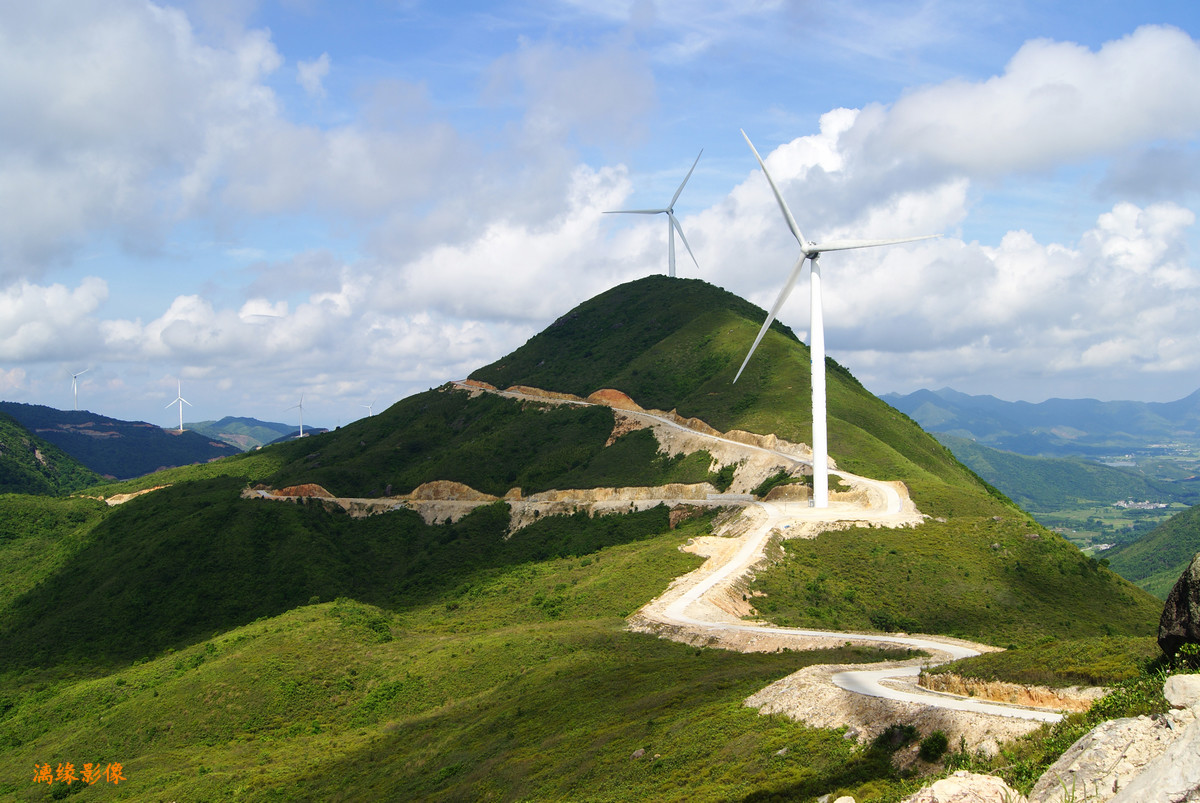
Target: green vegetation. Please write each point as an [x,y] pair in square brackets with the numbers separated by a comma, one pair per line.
[1103,661]
[30,465]
[222,647]
[1155,561]
[481,692]
[677,344]
[1005,581]
[1050,484]
[244,433]
[225,561]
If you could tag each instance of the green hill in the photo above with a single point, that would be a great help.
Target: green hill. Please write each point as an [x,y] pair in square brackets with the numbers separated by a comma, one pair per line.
[244,433]
[30,465]
[1156,560]
[1048,484]
[229,647]
[112,447]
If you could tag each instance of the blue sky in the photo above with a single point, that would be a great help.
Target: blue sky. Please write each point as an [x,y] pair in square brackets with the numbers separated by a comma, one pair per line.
[357,201]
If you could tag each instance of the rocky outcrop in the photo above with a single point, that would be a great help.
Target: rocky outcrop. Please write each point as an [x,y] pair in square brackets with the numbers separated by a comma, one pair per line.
[444,490]
[1133,760]
[1070,699]
[538,393]
[615,399]
[1180,622]
[968,787]
[308,489]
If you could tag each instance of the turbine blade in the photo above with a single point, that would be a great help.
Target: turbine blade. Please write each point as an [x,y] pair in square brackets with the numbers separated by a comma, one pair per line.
[679,229]
[787,213]
[783,296]
[675,197]
[845,245]
[185,401]
[636,212]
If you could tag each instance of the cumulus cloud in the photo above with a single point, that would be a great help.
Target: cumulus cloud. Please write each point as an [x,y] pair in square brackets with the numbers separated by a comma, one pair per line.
[1055,103]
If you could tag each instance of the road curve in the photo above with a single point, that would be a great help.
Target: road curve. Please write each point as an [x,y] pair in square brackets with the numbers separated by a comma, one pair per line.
[688,603]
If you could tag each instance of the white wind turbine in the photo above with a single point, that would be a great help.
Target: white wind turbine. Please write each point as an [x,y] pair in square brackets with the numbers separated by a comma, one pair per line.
[370,408]
[75,385]
[180,401]
[672,224]
[301,407]
[812,251]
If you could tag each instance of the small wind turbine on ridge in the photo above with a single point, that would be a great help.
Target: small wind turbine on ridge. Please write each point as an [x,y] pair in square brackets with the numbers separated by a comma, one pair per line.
[301,406]
[370,408]
[180,401]
[75,385]
[672,224]
[811,251]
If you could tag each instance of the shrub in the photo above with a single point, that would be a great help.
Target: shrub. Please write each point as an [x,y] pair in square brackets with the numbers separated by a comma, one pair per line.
[933,746]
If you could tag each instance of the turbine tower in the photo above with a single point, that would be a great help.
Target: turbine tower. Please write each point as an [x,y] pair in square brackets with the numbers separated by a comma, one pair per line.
[370,408]
[301,407]
[180,401]
[75,385]
[812,251]
[672,224]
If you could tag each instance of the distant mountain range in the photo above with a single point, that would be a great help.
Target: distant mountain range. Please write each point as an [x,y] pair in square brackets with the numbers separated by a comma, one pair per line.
[114,448]
[245,433]
[1056,427]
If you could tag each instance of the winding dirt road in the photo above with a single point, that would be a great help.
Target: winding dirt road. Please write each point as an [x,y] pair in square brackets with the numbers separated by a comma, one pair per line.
[706,606]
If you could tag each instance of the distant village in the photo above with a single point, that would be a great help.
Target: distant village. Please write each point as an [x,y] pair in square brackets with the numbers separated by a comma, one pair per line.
[1129,504]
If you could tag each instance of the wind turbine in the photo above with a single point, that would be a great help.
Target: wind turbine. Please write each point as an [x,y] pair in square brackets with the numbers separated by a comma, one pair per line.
[812,251]
[301,406]
[370,408]
[75,385]
[180,401]
[672,224]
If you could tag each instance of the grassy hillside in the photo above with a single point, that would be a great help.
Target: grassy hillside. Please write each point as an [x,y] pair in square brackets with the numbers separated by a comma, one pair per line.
[1006,581]
[30,465]
[1156,560]
[517,683]
[244,433]
[112,447]
[677,344]
[1047,484]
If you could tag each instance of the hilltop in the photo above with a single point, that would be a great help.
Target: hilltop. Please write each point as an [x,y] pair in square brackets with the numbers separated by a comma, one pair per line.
[114,448]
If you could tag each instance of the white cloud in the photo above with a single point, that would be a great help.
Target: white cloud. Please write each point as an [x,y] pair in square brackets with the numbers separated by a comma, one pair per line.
[49,323]
[1056,103]
[311,74]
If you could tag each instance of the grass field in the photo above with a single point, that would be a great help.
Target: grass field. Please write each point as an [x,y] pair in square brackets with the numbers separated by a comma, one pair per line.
[521,684]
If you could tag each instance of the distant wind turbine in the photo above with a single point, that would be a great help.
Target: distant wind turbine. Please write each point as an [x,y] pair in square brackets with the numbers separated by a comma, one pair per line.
[180,401]
[672,224]
[75,385]
[301,407]
[812,251]
[370,408]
